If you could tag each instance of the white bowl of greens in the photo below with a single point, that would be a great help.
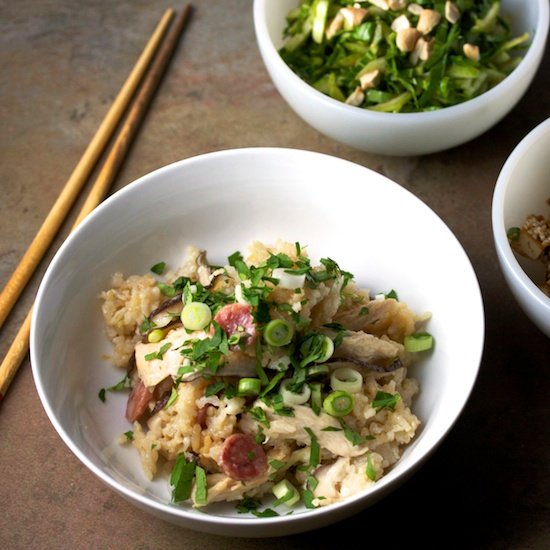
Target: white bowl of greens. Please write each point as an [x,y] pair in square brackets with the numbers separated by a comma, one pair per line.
[220,202]
[401,91]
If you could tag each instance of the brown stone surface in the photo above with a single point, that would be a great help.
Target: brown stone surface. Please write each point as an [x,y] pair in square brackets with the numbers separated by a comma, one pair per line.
[61,64]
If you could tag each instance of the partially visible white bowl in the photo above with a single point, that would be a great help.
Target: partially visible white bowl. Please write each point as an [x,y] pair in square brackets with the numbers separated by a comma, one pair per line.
[222,201]
[402,133]
[523,188]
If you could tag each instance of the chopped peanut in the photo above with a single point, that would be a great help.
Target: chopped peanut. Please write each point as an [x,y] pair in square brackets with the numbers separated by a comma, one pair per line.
[335,25]
[452,13]
[382,4]
[397,4]
[353,16]
[406,39]
[370,79]
[471,52]
[422,50]
[428,20]
[415,9]
[401,22]
[356,97]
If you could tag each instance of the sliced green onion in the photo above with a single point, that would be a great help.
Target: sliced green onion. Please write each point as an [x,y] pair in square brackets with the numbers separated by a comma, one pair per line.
[291,398]
[420,341]
[338,403]
[316,371]
[285,493]
[346,379]
[327,350]
[195,315]
[278,332]
[155,336]
[513,233]
[320,10]
[249,386]
[316,348]
[314,449]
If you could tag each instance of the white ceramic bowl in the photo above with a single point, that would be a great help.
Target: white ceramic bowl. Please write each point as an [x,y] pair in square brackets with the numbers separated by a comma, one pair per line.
[401,133]
[523,188]
[221,202]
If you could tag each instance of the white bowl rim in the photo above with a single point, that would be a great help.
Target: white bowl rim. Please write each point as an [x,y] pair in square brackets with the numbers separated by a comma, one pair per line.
[203,521]
[442,115]
[513,266]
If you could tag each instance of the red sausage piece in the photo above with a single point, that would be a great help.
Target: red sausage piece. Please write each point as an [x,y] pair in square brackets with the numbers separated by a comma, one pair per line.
[242,458]
[137,401]
[237,319]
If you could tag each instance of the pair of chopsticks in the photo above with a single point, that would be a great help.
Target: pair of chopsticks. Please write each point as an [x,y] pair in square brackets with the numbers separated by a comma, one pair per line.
[147,72]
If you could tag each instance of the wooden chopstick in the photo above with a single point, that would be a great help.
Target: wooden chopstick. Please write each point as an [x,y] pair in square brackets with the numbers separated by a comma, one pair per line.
[81,173]
[110,168]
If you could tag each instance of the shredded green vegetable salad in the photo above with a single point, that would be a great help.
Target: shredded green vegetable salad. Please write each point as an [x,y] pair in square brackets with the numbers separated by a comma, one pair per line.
[401,56]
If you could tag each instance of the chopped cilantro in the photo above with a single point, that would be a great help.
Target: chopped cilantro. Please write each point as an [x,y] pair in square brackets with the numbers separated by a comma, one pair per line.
[167,290]
[250,506]
[370,471]
[146,325]
[159,268]
[201,491]
[181,479]
[276,464]
[315,449]
[172,399]
[352,436]
[259,415]
[391,294]
[160,353]
[307,497]
[384,400]
[214,388]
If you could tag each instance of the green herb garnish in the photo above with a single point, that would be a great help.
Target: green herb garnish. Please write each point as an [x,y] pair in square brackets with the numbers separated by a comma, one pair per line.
[384,400]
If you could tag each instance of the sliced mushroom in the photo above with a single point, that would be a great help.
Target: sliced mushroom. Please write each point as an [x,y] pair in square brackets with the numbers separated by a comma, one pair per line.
[427,20]
[221,282]
[204,272]
[168,312]
[366,366]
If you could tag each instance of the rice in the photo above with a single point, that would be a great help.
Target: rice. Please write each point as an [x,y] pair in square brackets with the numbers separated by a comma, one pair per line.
[182,418]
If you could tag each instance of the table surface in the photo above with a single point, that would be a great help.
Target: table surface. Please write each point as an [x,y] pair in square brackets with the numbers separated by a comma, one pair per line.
[62,64]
